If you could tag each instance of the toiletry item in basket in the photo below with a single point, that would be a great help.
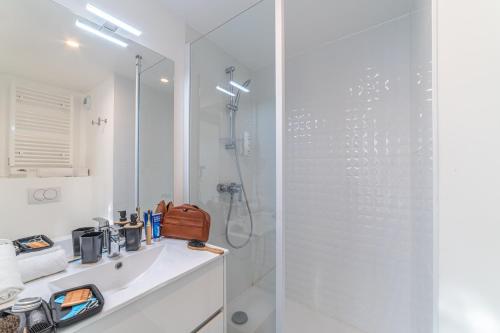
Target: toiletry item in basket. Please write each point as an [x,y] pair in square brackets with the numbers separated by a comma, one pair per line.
[75,297]
[66,316]
[156,225]
[81,308]
[200,246]
[33,243]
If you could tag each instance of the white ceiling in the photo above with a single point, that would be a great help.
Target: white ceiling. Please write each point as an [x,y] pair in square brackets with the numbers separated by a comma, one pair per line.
[205,15]
[32,35]
[249,37]
[308,23]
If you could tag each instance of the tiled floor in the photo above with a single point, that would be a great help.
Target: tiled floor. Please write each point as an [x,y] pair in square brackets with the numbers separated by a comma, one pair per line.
[259,306]
[300,319]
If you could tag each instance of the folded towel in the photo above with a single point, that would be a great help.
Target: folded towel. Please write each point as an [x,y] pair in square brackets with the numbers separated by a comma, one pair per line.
[35,265]
[10,277]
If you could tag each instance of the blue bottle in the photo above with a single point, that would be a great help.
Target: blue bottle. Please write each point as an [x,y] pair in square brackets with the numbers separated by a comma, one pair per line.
[156,224]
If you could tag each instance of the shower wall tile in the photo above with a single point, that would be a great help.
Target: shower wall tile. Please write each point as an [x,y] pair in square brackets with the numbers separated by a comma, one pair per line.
[356,199]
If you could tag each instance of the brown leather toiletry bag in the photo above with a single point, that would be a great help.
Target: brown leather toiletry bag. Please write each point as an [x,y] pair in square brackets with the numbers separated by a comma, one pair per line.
[184,222]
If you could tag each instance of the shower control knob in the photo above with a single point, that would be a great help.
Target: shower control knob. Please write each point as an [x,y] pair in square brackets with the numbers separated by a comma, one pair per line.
[231,188]
[221,188]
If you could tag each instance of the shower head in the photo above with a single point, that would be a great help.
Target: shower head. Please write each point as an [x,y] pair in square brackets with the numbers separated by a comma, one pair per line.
[245,85]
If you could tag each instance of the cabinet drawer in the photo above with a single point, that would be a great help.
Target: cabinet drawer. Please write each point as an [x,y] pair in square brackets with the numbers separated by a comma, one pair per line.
[216,325]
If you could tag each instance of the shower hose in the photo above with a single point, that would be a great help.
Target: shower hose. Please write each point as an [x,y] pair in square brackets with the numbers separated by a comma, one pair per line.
[228,239]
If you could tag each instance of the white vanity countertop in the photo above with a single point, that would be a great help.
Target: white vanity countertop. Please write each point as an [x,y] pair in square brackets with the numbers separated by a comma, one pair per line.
[174,261]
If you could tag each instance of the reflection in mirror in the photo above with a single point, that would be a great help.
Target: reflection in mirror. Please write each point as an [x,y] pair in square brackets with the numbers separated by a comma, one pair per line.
[67,121]
[156,136]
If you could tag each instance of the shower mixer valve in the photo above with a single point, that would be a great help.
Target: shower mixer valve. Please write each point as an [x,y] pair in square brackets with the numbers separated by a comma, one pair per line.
[231,188]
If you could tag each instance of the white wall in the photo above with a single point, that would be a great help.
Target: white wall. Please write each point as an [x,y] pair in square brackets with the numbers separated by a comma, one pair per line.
[55,219]
[468,53]
[100,145]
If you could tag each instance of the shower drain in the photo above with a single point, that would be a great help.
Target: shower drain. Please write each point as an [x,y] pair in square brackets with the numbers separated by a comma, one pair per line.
[239,317]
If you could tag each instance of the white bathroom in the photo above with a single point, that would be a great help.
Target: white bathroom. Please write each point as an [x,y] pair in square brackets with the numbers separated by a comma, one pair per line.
[249,166]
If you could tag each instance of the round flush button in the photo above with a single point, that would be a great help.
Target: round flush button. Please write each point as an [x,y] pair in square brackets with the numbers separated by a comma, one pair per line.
[39,195]
[50,194]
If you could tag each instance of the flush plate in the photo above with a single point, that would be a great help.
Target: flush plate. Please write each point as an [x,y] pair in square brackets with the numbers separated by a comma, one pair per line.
[37,196]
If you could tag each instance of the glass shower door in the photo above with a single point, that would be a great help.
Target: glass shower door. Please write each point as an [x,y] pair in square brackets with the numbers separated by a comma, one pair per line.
[232,158]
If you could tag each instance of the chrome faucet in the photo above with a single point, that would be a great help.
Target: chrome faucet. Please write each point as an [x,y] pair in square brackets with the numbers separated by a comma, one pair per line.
[115,241]
[103,226]
[111,239]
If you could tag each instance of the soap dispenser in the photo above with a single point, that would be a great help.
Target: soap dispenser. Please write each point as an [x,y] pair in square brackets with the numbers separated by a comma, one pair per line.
[133,233]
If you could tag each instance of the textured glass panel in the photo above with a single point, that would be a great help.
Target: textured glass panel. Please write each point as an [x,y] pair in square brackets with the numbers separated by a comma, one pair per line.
[358,168]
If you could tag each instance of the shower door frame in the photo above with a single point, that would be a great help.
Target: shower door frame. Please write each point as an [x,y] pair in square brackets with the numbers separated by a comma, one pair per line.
[279,95]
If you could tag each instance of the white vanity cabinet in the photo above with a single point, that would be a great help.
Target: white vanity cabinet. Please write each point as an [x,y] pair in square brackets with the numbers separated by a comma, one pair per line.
[215,325]
[194,302]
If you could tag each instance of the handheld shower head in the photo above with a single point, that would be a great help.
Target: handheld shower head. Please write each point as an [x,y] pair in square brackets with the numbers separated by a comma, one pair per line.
[246,84]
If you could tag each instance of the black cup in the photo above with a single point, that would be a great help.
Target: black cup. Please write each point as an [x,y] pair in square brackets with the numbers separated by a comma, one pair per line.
[91,247]
[76,234]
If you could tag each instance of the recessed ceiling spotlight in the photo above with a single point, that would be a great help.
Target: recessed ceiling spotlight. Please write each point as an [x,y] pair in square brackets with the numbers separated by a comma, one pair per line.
[99,33]
[113,20]
[72,43]
[164,80]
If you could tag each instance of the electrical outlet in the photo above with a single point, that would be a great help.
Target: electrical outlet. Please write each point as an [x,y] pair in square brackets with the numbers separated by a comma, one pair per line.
[46,195]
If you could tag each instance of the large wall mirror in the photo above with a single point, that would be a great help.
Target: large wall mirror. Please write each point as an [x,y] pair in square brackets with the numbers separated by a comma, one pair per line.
[67,120]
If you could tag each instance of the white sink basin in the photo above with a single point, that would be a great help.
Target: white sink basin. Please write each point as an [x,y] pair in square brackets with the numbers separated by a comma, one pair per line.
[114,275]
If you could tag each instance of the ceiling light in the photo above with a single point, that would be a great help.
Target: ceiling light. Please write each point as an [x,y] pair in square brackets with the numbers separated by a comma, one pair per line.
[113,20]
[164,80]
[239,86]
[72,43]
[227,92]
[100,33]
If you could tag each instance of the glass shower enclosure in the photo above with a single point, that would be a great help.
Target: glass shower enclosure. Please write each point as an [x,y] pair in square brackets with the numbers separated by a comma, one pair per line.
[358,164]
[232,158]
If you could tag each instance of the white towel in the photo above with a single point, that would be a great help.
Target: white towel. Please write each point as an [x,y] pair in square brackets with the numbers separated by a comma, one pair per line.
[10,277]
[35,265]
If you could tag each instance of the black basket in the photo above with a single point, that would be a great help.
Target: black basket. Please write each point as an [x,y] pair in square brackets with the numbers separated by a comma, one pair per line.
[20,248]
[58,313]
